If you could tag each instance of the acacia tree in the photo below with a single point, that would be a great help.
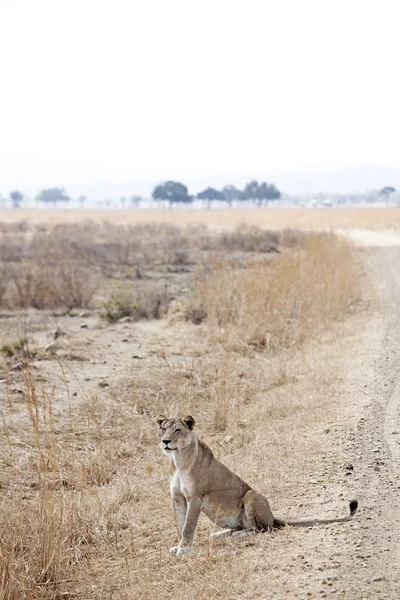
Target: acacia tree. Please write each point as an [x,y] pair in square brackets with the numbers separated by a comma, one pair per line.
[231,193]
[252,192]
[53,195]
[260,193]
[210,194]
[269,191]
[386,192]
[172,192]
[16,198]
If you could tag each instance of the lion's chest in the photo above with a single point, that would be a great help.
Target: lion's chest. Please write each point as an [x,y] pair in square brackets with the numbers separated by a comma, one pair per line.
[181,483]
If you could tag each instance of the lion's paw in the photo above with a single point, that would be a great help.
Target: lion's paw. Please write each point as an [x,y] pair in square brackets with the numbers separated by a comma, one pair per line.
[178,550]
[183,550]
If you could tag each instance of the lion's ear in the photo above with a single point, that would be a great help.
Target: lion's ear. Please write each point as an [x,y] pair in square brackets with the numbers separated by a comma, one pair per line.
[189,422]
[160,420]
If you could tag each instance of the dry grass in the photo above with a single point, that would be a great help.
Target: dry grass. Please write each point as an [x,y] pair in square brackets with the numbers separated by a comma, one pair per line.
[278,303]
[85,509]
[67,266]
[279,218]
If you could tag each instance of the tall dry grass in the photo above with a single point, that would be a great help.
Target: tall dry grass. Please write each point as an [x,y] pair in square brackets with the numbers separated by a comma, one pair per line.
[278,303]
[54,513]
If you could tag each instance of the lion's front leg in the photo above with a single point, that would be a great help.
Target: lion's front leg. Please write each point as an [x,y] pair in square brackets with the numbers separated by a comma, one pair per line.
[180,509]
[192,516]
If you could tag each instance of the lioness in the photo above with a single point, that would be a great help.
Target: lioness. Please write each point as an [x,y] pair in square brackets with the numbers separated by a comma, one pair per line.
[200,482]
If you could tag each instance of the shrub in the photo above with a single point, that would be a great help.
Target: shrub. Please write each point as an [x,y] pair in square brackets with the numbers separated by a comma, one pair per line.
[249,239]
[145,304]
[45,286]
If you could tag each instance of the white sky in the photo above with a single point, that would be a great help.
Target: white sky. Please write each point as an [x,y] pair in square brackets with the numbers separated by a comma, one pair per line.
[142,90]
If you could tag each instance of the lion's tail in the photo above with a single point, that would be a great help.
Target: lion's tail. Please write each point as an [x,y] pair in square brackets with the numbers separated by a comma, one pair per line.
[279,523]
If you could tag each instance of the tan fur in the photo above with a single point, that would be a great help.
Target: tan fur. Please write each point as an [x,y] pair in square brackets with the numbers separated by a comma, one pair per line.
[200,482]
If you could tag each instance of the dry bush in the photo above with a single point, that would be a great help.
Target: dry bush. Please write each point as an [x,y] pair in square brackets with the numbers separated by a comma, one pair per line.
[248,239]
[44,270]
[4,279]
[291,237]
[46,286]
[13,247]
[14,227]
[271,304]
[148,303]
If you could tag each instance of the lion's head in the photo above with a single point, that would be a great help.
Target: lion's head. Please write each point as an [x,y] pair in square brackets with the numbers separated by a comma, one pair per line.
[175,433]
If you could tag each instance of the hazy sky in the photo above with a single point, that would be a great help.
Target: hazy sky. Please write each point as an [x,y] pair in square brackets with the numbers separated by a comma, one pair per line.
[122,91]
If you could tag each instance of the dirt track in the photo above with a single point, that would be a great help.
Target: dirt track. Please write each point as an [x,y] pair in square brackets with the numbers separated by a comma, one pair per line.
[371,403]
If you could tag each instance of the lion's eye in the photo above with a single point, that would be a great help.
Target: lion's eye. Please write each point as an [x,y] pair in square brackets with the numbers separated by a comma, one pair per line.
[164,429]
[177,430]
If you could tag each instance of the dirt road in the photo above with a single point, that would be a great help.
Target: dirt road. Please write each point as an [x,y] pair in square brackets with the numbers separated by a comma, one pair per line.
[371,387]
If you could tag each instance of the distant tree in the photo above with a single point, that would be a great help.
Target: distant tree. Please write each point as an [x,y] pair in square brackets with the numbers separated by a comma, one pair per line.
[16,198]
[210,194]
[269,191]
[82,200]
[252,192]
[135,200]
[231,193]
[386,192]
[53,195]
[260,193]
[171,192]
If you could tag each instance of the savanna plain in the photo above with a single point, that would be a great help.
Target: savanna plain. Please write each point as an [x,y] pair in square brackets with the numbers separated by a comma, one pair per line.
[277,334]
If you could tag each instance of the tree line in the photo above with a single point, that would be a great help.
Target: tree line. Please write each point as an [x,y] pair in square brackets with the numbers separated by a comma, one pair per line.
[175,192]
[170,192]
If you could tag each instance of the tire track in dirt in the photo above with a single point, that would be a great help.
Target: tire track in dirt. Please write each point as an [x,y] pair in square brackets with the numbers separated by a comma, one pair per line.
[385,260]
[392,417]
